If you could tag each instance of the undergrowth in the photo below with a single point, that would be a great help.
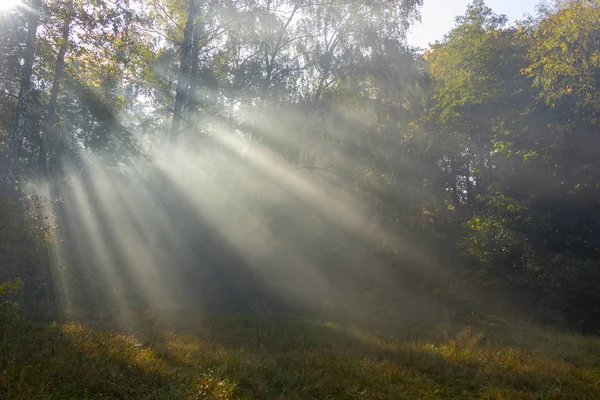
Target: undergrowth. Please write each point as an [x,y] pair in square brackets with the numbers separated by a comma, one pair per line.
[234,358]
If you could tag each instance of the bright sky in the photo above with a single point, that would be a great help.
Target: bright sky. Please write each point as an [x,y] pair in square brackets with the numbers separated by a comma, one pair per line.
[437,16]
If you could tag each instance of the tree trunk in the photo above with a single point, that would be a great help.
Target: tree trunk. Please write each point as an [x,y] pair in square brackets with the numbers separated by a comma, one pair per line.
[181,96]
[47,134]
[181,99]
[453,176]
[481,158]
[25,88]
[183,81]
[193,94]
[469,184]
[268,65]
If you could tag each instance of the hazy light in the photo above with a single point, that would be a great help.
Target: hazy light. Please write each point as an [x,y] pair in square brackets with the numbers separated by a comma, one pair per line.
[8,4]
[159,236]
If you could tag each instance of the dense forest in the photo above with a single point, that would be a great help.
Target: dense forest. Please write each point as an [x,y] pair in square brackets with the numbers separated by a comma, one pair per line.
[177,160]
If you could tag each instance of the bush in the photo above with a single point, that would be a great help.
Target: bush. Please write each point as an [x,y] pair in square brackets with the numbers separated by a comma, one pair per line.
[24,238]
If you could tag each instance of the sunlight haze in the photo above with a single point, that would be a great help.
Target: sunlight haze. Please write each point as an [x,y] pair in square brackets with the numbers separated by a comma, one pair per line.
[7,4]
[282,199]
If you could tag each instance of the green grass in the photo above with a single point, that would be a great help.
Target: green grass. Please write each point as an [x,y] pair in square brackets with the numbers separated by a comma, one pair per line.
[299,359]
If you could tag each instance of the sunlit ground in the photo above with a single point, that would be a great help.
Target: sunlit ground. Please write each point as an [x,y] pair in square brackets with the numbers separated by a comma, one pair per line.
[296,359]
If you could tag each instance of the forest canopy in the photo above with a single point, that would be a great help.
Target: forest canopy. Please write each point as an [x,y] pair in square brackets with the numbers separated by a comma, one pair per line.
[169,154]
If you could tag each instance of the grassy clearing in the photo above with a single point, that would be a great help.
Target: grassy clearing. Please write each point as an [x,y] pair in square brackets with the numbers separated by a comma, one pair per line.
[299,359]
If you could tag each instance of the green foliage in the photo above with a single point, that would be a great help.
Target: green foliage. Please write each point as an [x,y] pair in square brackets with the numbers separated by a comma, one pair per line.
[565,57]
[520,167]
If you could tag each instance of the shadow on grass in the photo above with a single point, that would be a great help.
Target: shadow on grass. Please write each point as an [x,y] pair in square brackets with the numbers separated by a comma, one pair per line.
[72,361]
[246,358]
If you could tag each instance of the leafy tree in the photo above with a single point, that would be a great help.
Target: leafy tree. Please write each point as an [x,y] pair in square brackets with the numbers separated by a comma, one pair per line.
[25,90]
[564,57]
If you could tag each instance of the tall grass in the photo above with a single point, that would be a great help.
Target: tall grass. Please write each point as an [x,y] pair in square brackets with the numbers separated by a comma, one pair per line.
[298,359]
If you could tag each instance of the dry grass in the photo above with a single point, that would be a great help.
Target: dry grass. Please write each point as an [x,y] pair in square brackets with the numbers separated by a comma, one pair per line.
[299,359]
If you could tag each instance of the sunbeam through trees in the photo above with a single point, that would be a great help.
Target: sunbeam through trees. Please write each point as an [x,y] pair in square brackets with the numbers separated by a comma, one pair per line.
[191,188]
